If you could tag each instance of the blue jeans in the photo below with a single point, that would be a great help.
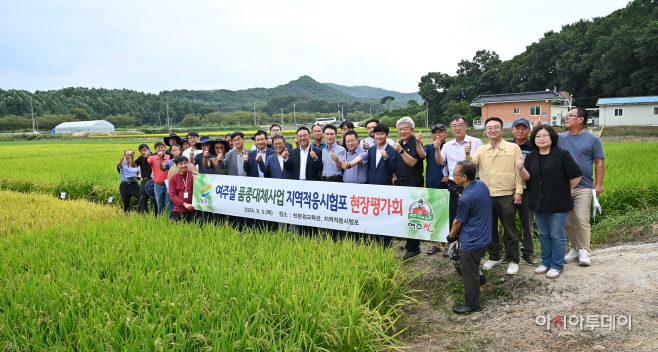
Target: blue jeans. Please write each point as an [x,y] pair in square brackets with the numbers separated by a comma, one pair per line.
[170,204]
[552,238]
[160,191]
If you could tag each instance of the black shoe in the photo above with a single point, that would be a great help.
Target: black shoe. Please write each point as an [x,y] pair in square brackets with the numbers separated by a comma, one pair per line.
[410,255]
[465,309]
[528,259]
[483,279]
[445,252]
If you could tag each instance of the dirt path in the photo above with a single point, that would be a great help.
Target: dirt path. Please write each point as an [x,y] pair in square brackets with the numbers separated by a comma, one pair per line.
[623,280]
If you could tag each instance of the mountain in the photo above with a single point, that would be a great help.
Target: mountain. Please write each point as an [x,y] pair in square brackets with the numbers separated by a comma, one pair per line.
[304,86]
[368,92]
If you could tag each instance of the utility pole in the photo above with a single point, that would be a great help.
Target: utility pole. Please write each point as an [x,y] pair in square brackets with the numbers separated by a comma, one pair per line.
[342,113]
[427,114]
[255,123]
[168,122]
[371,111]
[294,112]
[282,116]
[32,109]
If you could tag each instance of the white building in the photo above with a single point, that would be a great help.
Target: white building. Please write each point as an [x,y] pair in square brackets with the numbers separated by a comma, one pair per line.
[628,111]
[84,126]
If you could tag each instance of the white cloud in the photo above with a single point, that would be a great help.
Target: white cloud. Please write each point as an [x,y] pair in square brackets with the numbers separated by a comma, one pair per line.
[155,45]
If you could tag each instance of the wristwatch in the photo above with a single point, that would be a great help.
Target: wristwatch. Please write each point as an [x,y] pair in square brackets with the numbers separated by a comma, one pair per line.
[401,151]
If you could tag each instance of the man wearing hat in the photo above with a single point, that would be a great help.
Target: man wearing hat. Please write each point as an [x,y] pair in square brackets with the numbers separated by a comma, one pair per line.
[171,140]
[205,157]
[218,147]
[521,130]
[184,145]
[434,172]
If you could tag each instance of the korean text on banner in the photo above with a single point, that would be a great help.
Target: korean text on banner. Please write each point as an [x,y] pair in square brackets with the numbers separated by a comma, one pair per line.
[410,212]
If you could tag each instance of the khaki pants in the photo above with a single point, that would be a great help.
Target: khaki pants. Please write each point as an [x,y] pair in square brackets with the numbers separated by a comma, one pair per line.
[578,229]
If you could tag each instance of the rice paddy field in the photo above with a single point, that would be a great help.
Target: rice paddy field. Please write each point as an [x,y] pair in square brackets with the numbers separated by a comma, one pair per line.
[82,276]
[78,274]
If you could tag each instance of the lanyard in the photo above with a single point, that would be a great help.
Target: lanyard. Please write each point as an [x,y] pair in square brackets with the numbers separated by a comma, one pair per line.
[185,181]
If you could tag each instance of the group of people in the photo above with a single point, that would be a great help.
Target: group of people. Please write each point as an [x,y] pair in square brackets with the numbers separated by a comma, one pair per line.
[548,178]
[544,177]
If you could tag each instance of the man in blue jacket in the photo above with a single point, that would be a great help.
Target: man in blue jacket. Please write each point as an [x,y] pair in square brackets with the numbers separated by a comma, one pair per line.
[381,165]
[251,164]
[263,153]
[273,166]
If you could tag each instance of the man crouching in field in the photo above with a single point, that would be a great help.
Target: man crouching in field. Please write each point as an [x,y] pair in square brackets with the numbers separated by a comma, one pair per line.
[180,191]
[473,224]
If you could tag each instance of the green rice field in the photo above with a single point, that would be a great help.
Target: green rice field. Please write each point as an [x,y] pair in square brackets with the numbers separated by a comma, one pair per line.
[79,276]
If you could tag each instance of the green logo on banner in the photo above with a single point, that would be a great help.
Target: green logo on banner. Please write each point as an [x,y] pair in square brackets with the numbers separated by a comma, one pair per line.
[421,210]
[421,215]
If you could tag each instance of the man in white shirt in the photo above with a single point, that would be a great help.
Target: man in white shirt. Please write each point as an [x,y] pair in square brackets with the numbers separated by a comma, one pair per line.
[193,139]
[453,152]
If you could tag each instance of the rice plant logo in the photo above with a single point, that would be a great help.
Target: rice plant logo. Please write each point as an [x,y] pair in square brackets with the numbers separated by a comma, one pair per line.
[421,210]
[205,191]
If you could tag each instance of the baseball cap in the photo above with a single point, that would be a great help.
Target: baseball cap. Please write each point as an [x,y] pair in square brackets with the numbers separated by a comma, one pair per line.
[438,126]
[521,120]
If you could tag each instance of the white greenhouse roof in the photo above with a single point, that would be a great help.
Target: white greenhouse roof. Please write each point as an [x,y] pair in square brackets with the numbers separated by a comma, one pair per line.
[82,124]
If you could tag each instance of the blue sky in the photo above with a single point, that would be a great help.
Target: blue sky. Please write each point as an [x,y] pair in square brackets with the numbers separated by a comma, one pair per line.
[162,45]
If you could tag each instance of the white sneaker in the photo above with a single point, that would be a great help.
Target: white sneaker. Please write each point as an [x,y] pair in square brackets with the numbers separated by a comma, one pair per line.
[553,274]
[583,257]
[541,270]
[512,269]
[490,264]
[572,256]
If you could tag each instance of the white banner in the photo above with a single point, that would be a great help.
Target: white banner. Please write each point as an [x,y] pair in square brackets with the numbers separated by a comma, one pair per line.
[410,212]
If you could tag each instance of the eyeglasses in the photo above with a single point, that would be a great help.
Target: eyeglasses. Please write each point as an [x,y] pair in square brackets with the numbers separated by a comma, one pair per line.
[439,126]
[542,136]
[461,125]
[570,116]
[493,128]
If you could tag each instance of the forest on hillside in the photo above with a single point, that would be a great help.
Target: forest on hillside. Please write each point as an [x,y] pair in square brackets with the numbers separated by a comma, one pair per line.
[304,98]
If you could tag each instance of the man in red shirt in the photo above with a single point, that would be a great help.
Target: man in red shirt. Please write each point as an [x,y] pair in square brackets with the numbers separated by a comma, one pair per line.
[159,175]
[180,191]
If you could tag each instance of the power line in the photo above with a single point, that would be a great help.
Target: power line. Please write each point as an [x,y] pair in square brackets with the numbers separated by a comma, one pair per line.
[596,96]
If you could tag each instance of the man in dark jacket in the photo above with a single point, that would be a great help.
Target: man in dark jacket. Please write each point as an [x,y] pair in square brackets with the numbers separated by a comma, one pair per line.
[305,162]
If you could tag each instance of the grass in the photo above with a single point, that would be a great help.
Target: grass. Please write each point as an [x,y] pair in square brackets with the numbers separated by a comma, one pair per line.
[633,225]
[113,282]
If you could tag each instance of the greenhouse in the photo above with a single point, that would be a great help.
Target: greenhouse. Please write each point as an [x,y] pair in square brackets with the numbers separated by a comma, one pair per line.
[84,126]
